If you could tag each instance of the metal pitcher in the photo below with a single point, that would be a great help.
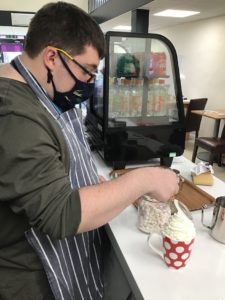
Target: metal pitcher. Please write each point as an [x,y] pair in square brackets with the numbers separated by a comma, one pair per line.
[218,221]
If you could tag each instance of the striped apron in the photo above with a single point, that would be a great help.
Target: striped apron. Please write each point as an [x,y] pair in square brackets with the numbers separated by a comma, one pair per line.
[73,265]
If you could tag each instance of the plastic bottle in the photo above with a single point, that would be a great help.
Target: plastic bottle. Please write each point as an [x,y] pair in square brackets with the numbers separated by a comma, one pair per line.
[136,97]
[162,103]
[150,102]
[125,98]
[112,92]
[116,98]
[156,102]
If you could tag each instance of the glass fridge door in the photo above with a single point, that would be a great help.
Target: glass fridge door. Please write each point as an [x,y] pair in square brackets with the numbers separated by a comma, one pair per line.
[142,83]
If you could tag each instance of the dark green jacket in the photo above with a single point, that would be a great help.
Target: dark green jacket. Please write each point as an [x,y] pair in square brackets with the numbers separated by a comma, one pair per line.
[34,185]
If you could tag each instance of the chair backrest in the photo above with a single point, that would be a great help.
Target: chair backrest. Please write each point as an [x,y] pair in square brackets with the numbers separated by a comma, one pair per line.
[193,121]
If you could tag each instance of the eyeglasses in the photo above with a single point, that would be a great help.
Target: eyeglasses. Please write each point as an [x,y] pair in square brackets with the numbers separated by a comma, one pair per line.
[92,75]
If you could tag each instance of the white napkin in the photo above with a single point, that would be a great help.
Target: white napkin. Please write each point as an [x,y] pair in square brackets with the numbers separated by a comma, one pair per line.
[202,167]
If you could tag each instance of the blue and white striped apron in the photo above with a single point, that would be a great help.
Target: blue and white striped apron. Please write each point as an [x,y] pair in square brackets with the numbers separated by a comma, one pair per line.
[73,265]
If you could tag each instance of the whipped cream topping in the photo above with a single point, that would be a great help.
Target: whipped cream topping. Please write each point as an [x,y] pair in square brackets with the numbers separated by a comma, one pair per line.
[179,227]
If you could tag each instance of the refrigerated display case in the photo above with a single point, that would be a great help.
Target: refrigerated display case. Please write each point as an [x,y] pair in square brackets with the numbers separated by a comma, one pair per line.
[136,113]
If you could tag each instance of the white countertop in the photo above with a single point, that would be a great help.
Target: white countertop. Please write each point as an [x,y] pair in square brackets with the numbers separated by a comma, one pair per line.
[204,276]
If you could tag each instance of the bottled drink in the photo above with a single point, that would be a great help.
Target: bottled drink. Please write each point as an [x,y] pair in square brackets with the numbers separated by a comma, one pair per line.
[112,92]
[161,97]
[136,97]
[156,103]
[116,98]
[125,98]
[150,102]
[159,101]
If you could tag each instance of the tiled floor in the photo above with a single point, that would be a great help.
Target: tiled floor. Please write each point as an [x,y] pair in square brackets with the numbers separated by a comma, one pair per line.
[189,145]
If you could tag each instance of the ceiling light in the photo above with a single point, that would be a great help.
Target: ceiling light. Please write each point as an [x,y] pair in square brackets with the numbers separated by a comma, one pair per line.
[122,27]
[175,13]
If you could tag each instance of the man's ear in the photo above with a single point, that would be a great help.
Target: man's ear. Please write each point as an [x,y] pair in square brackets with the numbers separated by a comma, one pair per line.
[49,58]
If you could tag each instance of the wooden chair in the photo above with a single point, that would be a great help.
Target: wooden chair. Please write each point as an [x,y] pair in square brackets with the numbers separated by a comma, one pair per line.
[193,121]
[215,145]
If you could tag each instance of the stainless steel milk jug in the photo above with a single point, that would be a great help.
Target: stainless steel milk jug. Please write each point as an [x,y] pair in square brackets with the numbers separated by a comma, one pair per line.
[217,229]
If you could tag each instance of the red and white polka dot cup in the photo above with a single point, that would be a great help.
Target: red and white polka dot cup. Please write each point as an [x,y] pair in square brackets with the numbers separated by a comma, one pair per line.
[174,253]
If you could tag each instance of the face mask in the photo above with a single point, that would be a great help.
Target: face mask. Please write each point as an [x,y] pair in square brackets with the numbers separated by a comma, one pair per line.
[67,100]
[80,92]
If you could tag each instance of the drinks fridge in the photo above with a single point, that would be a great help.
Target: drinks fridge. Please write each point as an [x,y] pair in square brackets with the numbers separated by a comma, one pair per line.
[136,114]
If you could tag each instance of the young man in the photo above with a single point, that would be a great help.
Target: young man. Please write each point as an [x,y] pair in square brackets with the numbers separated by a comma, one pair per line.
[52,206]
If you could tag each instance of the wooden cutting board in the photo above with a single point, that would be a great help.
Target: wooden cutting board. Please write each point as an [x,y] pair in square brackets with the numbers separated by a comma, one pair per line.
[190,194]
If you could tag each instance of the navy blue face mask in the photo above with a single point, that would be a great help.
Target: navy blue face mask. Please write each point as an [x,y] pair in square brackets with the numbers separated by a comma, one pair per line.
[80,92]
